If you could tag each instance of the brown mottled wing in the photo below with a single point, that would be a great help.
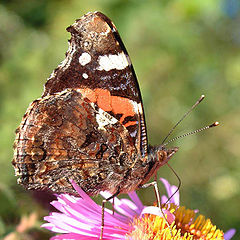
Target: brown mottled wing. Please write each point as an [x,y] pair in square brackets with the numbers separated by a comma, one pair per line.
[64,136]
[98,64]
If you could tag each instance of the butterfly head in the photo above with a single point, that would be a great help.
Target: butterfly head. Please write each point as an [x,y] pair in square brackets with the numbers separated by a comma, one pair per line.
[161,155]
[157,157]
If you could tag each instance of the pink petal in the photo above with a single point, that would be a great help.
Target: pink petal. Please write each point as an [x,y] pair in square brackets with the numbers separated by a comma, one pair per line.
[170,191]
[229,234]
[156,211]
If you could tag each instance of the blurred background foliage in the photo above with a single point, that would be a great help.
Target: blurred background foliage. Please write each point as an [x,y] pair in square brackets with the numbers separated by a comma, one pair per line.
[180,50]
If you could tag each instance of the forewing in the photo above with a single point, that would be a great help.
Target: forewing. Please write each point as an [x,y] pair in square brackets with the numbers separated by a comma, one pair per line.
[98,65]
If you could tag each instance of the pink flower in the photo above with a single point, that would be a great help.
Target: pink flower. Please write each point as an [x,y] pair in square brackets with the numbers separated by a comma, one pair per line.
[80,218]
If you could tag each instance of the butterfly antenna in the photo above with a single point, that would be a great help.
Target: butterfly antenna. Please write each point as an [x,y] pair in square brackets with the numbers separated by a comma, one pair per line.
[215,124]
[185,115]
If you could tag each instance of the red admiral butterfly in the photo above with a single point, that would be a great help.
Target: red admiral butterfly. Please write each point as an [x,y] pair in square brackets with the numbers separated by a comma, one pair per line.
[89,124]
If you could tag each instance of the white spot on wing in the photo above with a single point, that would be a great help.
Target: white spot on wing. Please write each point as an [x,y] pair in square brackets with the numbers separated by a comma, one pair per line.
[85,75]
[140,108]
[137,107]
[109,62]
[103,119]
[84,59]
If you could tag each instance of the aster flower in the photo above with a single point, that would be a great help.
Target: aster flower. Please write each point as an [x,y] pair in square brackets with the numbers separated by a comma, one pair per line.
[80,218]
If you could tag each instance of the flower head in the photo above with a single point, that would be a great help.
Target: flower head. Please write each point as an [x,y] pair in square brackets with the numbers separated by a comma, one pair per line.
[80,218]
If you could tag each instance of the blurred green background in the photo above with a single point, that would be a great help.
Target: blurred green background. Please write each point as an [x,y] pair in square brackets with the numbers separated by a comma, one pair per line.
[180,50]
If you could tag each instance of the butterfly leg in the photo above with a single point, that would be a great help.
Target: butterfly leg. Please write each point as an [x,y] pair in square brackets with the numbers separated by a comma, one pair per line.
[157,194]
[103,208]
[156,190]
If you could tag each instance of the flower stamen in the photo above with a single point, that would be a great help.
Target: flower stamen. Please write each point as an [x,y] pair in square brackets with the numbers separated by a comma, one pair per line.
[185,226]
[200,228]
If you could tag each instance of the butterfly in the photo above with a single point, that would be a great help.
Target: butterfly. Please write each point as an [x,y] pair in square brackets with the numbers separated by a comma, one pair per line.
[89,124]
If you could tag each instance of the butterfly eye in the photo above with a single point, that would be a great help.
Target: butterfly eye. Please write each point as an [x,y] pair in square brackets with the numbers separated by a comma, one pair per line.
[162,156]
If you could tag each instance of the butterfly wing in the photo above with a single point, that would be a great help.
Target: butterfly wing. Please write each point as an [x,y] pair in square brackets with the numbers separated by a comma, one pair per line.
[98,65]
[60,138]
[89,124]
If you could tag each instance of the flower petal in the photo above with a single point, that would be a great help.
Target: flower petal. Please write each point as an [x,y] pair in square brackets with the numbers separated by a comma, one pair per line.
[156,211]
[229,234]
[171,189]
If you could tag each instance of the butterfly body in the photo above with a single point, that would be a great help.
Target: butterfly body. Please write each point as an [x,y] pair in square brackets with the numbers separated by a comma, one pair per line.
[89,124]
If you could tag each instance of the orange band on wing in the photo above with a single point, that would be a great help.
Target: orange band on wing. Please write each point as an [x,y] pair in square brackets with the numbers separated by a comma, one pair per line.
[130,123]
[108,103]
[103,99]
[123,106]
[89,93]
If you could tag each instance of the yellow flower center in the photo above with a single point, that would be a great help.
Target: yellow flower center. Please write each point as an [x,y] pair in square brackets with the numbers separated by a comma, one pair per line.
[185,227]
